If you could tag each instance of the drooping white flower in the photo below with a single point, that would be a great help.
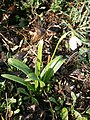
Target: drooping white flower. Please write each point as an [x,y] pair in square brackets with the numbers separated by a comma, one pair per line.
[74,42]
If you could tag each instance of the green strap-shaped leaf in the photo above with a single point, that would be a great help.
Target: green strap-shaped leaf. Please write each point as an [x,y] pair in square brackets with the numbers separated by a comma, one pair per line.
[51,68]
[32,76]
[48,66]
[48,75]
[39,58]
[15,78]
[19,65]
[58,64]
[22,90]
[18,80]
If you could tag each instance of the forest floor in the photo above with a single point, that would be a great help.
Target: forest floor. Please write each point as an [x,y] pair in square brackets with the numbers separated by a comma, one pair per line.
[19,39]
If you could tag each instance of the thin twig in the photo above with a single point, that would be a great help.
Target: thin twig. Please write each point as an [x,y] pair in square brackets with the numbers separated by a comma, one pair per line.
[6,105]
[7,46]
[9,42]
[71,57]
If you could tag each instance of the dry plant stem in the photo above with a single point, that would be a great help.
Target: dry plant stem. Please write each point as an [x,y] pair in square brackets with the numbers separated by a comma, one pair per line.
[7,46]
[53,118]
[20,33]
[5,39]
[71,57]
[30,49]
[6,116]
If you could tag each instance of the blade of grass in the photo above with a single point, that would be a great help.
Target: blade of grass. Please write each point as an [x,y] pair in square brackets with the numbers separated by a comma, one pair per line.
[76,33]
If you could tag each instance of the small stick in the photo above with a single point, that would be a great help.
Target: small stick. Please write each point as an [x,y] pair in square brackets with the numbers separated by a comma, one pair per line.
[7,106]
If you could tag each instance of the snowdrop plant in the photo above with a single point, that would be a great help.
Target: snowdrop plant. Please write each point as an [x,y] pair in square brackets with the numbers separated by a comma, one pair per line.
[35,81]
[74,42]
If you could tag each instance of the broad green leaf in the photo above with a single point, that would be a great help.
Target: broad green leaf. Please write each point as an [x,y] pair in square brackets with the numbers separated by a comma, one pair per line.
[64,114]
[32,76]
[88,111]
[39,58]
[49,73]
[15,78]
[34,101]
[23,91]
[52,99]
[16,111]
[12,100]
[77,114]
[18,80]
[49,65]
[57,108]
[59,64]
[60,101]
[51,68]
[26,98]
[19,65]
[42,84]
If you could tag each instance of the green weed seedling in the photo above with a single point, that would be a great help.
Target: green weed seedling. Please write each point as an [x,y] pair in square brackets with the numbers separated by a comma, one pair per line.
[63,112]
[79,21]
[75,113]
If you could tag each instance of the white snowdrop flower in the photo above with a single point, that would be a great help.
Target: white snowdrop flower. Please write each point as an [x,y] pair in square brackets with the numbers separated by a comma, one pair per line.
[74,41]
